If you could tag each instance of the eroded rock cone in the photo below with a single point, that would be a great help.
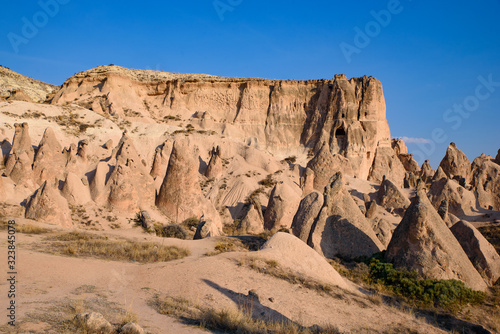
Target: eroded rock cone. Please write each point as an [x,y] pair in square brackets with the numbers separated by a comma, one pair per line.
[206,229]
[75,192]
[460,200]
[214,168]
[47,205]
[399,146]
[409,163]
[480,252]
[82,150]
[424,243]
[22,140]
[324,165]
[340,228]
[129,186]
[307,182]
[455,163]
[486,182]
[282,205]
[21,172]
[156,168]
[48,156]
[386,163]
[410,180]
[440,174]
[383,231]
[98,183]
[371,209]
[252,220]
[497,158]
[306,214]
[391,198]
[426,172]
[181,188]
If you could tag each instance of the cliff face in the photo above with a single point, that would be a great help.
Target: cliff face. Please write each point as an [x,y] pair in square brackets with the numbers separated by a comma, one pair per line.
[15,86]
[281,116]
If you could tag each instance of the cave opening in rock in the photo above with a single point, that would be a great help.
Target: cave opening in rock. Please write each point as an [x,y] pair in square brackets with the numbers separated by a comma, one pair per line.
[340,132]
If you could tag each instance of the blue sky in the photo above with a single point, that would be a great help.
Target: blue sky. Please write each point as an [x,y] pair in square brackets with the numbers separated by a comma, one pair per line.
[429,56]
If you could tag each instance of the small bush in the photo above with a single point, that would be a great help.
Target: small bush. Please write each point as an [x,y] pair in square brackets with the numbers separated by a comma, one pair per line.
[268,182]
[423,292]
[291,160]
[190,223]
[175,231]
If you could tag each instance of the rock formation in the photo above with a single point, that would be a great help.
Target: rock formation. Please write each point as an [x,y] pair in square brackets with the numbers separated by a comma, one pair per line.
[47,205]
[282,205]
[307,182]
[348,114]
[340,228]
[480,252]
[156,168]
[20,168]
[460,200]
[306,214]
[324,165]
[391,198]
[252,220]
[486,182]
[410,180]
[21,142]
[426,172]
[206,229]
[49,157]
[75,192]
[424,243]
[214,168]
[456,164]
[386,163]
[181,188]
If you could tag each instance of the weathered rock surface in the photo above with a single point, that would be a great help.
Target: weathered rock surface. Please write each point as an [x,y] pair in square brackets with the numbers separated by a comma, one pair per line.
[214,168]
[295,256]
[480,252]
[93,322]
[21,142]
[252,220]
[324,165]
[460,200]
[486,182]
[348,114]
[410,180]
[48,157]
[306,214]
[47,205]
[131,328]
[340,228]
[206,229]
[386,163]
[391,198]
[20,172]
[282,205]
[424,243]
[455,163]
[12,84]
[75,192]
[307,182]
[181,189]
[426,172]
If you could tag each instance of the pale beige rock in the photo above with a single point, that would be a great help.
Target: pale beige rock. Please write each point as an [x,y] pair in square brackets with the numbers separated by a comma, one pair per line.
[292,254]
[21,172]
[387,163]
[108,144]
[75,192]
[426,172]
[341,229]
[486,182]
[480,252]
[206,229]
[460,200]
[410,180]
[282,205]
[440,174]
[307,182]
[214,168]
[21,142]
[252,220]
[383,230]
[47,205]
[93,323]
[409,163]
[181,188]
[391,198]
[399,146]
[324,165]
[98,183]
[82,150]
[131,328]
[48,157]
[424,243]
[304,218]
[156,168]
[455,163]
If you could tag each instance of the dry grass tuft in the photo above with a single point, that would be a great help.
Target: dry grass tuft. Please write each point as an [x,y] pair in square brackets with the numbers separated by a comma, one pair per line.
[230,320]
[86,244]
[26,228]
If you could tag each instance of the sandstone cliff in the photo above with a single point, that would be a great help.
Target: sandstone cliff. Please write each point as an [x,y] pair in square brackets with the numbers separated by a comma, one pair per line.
[280,116]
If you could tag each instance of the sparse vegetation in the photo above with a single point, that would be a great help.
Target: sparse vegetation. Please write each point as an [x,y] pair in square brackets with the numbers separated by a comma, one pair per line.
[175,231]
[85,244]
[237,244]
[25,228]
[291,159]
[268,182]
[492,234]
[230,320]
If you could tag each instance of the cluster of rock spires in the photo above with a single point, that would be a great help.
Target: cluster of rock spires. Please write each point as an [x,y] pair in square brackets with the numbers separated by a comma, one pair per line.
[342,120]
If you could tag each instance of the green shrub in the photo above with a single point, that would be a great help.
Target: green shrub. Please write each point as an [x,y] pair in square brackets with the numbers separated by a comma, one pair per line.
[423,292]
[175,231]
